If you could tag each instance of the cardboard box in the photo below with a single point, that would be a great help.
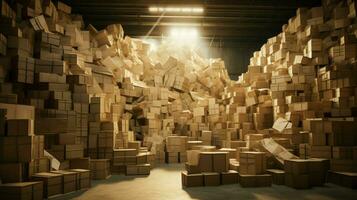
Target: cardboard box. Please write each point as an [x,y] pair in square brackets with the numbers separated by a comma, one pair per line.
[38,165]
[69,180]
[20,127]
[191,180]
[345,179]
[213,161]
[12,172]
[262,180]
[52,183]
[79,163]
[68,151]
[230,177]
[297,181]
[21,148]
[83,179]
[220,161]
[211,179]
[278,176]
[252,163]
[192,169]
[22,190]
[100,168]
[205,162]
[143,169]
[134,145]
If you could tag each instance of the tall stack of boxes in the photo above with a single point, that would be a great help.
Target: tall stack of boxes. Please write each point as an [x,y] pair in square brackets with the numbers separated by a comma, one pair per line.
[176,147]
[21,151]
[96,92]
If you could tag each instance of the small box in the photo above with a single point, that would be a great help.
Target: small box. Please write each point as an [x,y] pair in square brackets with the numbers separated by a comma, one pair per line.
[192,169]
[79,163]
[134,145]
[220,161]
[191,180]
[205,162]
[263,180]
[278,176]
[230,177]
[211,179]
[83,178]
[143,169]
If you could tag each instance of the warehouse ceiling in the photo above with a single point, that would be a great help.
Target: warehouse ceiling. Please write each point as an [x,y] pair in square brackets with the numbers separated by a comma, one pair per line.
[242,20]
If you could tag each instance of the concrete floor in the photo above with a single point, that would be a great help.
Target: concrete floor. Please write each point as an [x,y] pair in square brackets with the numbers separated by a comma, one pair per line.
[164,183]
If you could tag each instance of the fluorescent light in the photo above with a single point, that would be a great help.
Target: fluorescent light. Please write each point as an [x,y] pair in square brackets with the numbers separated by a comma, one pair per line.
[153,9]
[176,9]
[197,10]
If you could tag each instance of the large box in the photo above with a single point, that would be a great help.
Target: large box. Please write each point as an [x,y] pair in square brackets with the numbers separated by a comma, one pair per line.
[300,173]
[22,190]
[213,161]
[345,179]
[20,127]
[68,151]
[12,172]
[176,143]
[21,148]
[191,180]
[252,163]
[52,183]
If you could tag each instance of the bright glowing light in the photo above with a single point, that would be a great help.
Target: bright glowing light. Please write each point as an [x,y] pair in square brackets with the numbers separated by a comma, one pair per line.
[153,9]
[197,10]
[154,44]
[177,9]
[184,35]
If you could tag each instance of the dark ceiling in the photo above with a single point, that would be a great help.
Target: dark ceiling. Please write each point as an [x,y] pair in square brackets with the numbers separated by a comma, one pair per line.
[242,20]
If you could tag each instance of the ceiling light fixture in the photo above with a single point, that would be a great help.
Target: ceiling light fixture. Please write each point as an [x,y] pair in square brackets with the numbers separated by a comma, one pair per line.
[176,9]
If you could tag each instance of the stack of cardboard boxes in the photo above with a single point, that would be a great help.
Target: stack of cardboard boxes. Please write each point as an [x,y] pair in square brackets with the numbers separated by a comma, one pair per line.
[96,92]
[176,147]
[100,168]
[22,152]
[208,169]
[133,161]
[252,170]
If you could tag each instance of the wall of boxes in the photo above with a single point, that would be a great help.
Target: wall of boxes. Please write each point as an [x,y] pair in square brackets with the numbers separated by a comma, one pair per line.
[85,94]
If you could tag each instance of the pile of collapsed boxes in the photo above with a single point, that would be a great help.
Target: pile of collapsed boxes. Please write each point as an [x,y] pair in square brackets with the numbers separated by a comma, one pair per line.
[101,101]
